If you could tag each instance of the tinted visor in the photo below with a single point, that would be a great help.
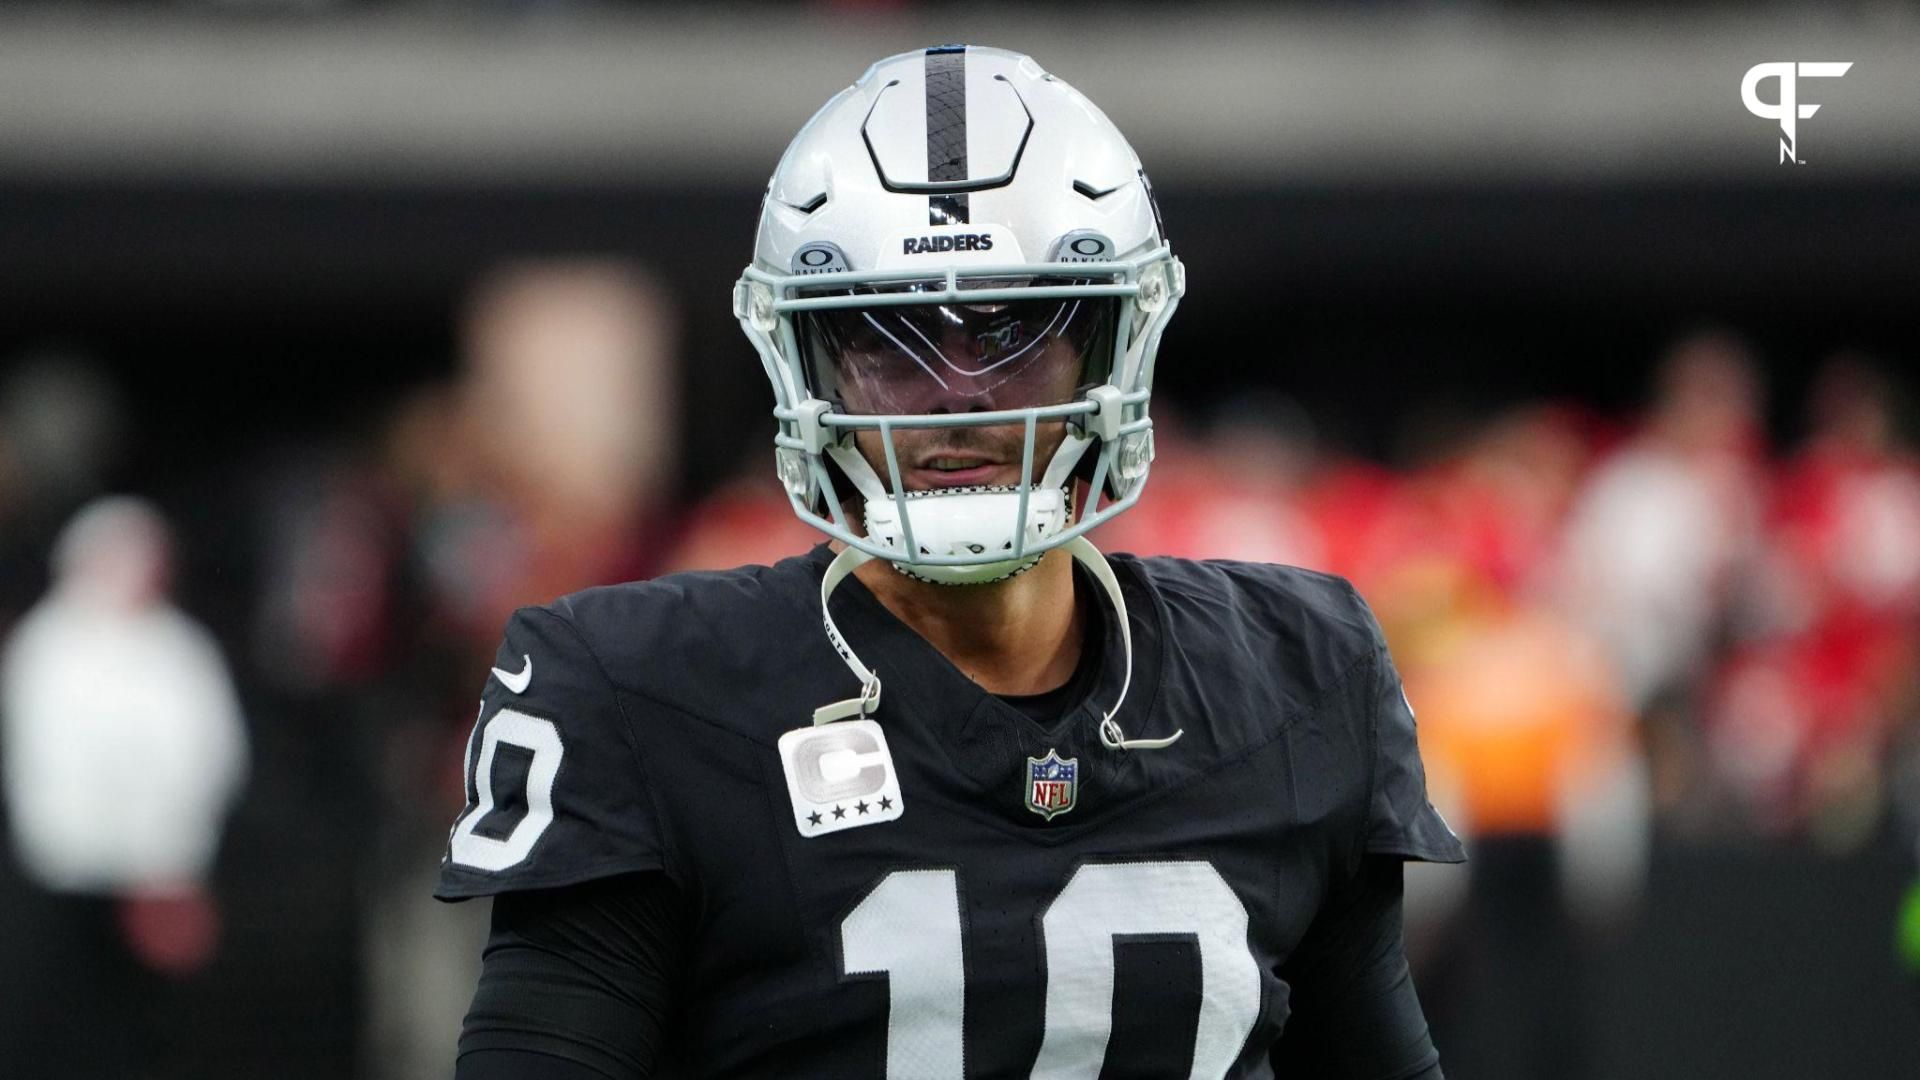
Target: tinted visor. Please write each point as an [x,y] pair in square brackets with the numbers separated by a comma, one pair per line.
[957,358]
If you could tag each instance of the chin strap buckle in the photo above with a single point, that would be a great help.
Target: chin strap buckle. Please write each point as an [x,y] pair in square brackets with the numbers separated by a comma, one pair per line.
[1114,738]
[862,706]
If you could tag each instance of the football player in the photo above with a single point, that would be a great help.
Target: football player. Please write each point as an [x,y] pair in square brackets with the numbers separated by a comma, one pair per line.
[951,795]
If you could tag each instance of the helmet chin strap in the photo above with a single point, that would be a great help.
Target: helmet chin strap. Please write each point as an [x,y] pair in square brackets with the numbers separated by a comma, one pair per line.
[1083,552]
[849,560]
[975,523]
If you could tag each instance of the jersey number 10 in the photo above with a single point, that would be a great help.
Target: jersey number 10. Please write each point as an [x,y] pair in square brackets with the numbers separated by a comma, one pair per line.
[910,928]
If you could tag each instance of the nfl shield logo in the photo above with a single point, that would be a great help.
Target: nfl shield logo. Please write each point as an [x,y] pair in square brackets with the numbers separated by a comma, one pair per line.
[1052,784]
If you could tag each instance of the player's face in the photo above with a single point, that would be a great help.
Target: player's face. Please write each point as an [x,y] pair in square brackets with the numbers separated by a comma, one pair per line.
[963,456]
[954,359]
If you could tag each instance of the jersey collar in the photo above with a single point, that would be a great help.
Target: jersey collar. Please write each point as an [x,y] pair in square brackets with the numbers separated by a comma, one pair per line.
[986,739]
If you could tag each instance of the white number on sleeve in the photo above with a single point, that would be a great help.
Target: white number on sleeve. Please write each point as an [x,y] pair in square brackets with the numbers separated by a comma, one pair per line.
[540,738]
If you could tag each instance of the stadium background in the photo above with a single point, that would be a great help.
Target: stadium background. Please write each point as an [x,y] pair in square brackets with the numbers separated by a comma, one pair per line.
[406,313]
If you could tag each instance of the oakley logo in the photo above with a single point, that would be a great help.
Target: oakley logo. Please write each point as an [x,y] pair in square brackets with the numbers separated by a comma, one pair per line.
[1787,110]
[924,245]
[1081,246]
[819,257]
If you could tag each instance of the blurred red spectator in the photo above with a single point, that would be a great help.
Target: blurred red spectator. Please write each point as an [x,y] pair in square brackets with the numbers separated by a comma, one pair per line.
[1800,720]
[1494,506]
[1236,494]
[745,522]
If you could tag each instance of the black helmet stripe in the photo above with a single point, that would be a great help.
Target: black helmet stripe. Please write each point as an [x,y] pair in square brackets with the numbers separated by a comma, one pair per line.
[947,131]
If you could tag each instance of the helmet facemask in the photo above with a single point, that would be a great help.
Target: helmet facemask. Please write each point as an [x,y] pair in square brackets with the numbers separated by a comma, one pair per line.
[962,482]
[964,412]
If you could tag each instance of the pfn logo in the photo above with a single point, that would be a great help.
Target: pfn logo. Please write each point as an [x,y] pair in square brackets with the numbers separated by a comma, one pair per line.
[1788,109]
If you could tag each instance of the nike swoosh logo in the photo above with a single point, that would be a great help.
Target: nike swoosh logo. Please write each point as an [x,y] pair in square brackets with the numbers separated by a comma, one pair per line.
[516,681]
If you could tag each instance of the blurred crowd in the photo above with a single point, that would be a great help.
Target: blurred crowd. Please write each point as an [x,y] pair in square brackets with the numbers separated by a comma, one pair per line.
[1609,626]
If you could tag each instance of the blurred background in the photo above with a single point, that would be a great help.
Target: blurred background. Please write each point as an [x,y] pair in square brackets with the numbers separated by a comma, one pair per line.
[332,331]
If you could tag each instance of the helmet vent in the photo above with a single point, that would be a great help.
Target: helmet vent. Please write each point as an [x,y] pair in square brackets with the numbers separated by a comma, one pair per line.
[1084,188]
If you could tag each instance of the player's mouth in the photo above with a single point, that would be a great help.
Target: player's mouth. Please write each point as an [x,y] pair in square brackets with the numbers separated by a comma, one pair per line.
[959,470]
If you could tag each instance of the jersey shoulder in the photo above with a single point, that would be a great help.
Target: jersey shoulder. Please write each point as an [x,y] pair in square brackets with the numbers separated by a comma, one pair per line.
[1303,647]
[1309,629]
[562,765]
[702,643]
[692,609]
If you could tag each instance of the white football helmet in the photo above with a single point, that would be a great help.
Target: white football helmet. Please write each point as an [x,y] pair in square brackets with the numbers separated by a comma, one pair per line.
[959,266]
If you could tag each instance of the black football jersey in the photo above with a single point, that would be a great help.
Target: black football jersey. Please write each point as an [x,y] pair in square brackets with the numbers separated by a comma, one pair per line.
[951,888]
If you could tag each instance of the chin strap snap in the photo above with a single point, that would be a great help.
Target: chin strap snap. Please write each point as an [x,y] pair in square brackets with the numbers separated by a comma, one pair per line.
[1112,736]
[843,564]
